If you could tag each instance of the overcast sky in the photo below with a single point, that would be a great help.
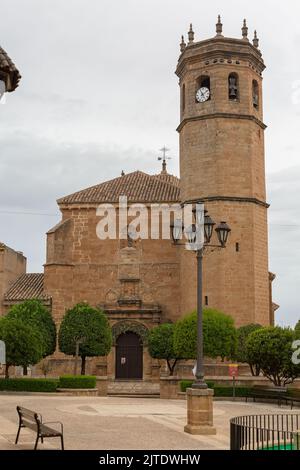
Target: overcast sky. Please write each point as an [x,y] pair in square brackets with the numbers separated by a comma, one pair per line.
[98,95]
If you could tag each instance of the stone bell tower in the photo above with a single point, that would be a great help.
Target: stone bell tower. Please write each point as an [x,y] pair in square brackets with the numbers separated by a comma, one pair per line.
[222,163]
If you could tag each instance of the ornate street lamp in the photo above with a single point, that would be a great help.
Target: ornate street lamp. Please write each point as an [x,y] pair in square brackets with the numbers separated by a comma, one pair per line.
[9,74]
[199,236]
[208,227]
[223,232]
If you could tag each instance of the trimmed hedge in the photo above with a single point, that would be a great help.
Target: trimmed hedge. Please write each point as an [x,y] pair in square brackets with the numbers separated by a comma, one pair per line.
[184,384]
[77,381]
[293,392]
[219,390]
[28,385]
[228,391]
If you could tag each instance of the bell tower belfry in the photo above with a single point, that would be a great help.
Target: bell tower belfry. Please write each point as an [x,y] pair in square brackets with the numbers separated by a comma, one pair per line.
[222,163]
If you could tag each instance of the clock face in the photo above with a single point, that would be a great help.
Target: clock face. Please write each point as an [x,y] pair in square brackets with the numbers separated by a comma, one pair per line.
[202,95]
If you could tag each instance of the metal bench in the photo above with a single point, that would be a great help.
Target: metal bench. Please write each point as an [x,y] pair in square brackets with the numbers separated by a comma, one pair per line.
[32,420]
[279,394]
[293,397]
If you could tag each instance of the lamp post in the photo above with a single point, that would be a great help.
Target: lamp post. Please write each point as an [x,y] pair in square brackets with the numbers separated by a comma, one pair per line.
[199,236]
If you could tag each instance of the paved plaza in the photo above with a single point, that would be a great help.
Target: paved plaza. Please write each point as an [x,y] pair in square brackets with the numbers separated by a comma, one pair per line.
[108,423]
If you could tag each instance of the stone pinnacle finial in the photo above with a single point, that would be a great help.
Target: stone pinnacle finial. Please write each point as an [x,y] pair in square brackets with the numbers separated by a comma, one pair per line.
[219,26]
[245,31]
[255,40]
[191,34]
[182,44]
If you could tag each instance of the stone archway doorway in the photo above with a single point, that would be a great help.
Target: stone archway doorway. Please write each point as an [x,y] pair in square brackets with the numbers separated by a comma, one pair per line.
[129,356]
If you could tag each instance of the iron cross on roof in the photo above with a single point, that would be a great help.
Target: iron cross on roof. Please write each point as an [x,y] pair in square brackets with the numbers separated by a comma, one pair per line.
[164,158]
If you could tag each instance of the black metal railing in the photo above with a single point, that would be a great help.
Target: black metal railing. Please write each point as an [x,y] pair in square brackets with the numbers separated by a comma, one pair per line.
[265,432]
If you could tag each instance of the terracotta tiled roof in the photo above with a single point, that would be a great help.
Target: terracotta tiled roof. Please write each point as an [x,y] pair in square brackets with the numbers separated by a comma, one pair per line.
[8,67]
[168,178]
[27,286]
[137,186]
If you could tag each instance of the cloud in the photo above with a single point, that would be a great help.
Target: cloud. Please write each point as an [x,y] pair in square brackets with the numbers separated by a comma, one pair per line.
[284,235]
[98,95]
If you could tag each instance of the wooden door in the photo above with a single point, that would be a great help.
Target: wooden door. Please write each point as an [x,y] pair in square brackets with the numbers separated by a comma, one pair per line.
[129,357]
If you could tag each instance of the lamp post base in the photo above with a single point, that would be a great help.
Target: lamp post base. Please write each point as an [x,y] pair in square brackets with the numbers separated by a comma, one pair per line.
[200,412]
[200,385]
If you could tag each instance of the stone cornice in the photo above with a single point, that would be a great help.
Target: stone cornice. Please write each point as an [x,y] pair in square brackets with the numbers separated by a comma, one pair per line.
[70,265]
[94,205]
[247,117]
[8,303]
[251,200]
[215,48]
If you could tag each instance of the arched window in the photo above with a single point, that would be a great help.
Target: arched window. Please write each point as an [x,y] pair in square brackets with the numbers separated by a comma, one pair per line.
[204,82]
[255,94]
[233,87]
[183,97]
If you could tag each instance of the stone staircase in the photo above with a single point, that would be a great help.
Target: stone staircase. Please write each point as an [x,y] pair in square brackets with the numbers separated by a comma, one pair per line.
[133,388]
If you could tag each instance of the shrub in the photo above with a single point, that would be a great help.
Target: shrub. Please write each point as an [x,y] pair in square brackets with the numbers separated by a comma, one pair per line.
[219,335]
[219,390]
[77,381]
[297,330]
[184,384]
[35,314]
[24,344]
[226,391]
[185,337]
[28,385]
[270,349]
[241,352]
[160,345]
[91,326]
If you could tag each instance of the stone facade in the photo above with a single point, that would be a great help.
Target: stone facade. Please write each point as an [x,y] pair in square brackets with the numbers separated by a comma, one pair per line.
[133,284]
[12,266]
[143,283]
[222,163]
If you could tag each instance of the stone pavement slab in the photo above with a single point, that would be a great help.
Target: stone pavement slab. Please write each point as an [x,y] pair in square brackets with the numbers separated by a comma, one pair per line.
[113,423]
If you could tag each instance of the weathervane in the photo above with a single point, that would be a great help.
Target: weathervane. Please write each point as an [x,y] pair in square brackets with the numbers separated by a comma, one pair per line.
[164,158]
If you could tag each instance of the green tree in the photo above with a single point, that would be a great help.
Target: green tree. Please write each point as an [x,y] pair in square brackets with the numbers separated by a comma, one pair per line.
[271,350]
[33,312]
[24,345]
[161,344]
[297,330]
[88,325]
[241,352]
[219,335]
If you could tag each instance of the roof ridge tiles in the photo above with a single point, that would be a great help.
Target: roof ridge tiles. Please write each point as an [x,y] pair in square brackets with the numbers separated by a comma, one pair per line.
[138,186]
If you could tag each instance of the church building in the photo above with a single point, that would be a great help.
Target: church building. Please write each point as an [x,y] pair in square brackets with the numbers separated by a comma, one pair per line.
[142,283]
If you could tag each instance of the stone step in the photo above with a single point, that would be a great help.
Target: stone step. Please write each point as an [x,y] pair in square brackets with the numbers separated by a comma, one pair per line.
[133,388]
[138,395]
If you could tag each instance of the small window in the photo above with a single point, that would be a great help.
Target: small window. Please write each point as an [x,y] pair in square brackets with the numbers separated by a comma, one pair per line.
[255,94]
[237,247]
[183,97]
[206,300]
[233,87]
